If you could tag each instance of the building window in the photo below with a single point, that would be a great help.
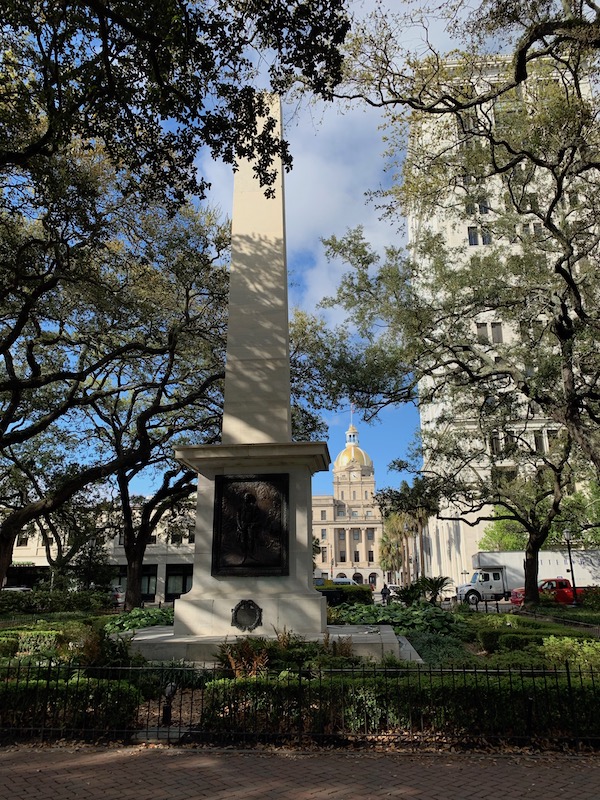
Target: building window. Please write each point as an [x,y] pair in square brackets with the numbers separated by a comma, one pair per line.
[178,580]
[342,494]
[22,540]
[473,235]
[486,236]
[371,557]
[341,534]
[342,555]
[482,332]
[356,555]
[370,534]
[495,444]
[323,514]
[354,495]
[192,538]
[484,207]
[552,437]
[323,555]
[497,333]
[355,513]
[368,513]
[366,495]
[538,438]
[356,534]
[176,538]
[148,586]
[323,533]
[341,512]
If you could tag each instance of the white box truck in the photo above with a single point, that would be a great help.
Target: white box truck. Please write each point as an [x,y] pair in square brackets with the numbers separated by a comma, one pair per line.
[496,574]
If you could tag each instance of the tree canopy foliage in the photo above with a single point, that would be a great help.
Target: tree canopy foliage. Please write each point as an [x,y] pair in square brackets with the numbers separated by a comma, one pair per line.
[155,82]
[113,282]
[492,311]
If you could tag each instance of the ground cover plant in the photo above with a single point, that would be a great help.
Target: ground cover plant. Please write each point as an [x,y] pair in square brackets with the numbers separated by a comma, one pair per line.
[464,637]
[140,618]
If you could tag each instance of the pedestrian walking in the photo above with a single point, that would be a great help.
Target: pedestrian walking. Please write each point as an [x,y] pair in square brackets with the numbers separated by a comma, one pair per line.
[385,594]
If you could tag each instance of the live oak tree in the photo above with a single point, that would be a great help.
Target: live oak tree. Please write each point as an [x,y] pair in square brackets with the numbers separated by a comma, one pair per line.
[507,147]
[492,456]
[104,109]
[118,348]
[576,516]
[155,82]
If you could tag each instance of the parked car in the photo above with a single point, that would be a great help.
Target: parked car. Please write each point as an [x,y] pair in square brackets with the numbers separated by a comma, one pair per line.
[559,589]
[394,588]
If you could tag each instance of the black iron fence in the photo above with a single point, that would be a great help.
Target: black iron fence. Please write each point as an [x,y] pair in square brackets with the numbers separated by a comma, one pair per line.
[404,706]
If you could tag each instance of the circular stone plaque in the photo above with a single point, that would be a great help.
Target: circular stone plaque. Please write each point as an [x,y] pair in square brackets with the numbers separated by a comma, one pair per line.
[246,615]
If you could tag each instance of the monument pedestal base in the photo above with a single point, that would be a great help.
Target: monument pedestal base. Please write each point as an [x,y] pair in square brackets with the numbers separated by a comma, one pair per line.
[371,642]
[233,592]
[214,616]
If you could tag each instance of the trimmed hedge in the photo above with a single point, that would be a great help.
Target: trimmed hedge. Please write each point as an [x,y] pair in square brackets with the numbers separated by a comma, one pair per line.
[68,706]
[337,594]
[462,705]
[9,645]
[42,601]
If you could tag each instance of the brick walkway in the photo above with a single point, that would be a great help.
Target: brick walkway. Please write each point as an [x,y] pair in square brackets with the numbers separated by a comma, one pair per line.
[163,773]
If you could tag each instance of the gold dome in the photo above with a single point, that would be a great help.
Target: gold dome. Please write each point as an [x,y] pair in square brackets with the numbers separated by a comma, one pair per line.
[352,453]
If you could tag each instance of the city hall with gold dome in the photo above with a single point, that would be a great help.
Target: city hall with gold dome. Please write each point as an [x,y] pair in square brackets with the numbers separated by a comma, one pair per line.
[348,524]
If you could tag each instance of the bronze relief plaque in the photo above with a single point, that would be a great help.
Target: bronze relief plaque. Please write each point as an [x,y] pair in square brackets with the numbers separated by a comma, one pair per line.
[251,528]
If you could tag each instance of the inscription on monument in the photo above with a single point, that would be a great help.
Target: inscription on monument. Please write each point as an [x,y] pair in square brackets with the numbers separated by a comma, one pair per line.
[251,527]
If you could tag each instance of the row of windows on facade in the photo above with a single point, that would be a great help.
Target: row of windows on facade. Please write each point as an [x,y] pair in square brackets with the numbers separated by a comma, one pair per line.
[354,495]
[342,556]
[355,533]
[483,235]
[502,444]
[178,580]
[175,538]
[527,203]
[341,512]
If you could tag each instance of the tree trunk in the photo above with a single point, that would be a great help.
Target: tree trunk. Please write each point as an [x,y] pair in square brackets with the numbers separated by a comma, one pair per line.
[133,592]
[7,544]
[532,594]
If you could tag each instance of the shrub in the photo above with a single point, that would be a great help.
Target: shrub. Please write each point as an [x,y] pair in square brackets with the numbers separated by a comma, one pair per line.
[42,601]
[336,594]
[442,651]
[9,645]
[582,653]
[68,705]
[465,705]
[519,641]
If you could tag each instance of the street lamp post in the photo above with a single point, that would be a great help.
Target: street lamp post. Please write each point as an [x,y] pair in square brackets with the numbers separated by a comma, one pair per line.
[568,541]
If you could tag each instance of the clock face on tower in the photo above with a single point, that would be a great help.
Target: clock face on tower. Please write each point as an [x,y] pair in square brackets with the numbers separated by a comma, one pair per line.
[354,475]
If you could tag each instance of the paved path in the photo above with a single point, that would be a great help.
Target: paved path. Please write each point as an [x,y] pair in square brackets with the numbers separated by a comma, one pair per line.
[162,773]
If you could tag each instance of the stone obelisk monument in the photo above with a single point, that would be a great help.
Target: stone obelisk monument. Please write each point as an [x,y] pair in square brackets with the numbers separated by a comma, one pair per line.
[253,556]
